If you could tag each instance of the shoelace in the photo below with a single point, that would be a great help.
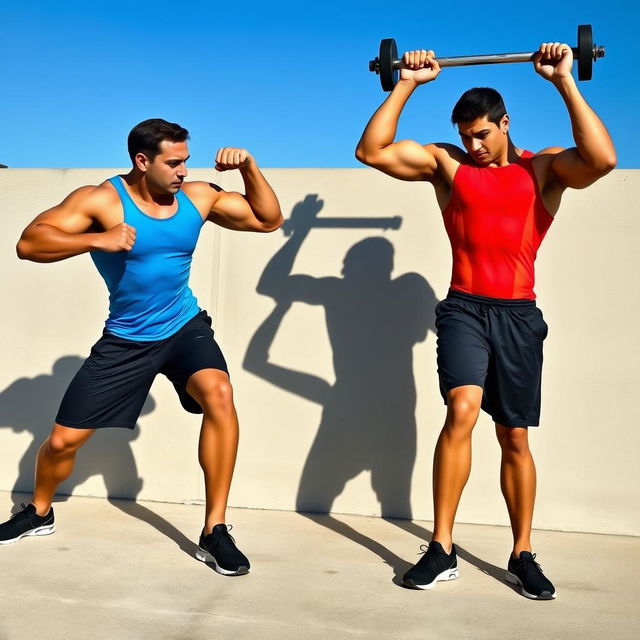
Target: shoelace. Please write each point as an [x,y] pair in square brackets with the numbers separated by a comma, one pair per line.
[225,538]
[531,563]
[425,549]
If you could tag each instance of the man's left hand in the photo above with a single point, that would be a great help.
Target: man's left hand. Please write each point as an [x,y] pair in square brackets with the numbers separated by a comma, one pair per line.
[553,61]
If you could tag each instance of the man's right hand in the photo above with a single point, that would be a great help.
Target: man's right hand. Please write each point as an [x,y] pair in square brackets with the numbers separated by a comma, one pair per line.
[419,66]
[122,237]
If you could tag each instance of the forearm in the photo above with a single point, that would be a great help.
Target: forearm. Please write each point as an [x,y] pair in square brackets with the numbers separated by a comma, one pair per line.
[381,130]
[592,139]
[46,243]
[261,197]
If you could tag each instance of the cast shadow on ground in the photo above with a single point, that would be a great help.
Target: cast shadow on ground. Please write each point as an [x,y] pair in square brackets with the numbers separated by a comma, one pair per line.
[368,414]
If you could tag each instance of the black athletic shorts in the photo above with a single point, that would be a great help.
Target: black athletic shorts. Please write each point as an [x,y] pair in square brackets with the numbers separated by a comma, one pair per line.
[112,385]
[497,345]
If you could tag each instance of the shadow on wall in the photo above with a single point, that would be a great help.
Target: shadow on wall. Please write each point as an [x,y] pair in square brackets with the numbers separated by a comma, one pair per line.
[368,418]
[30,404]
[373,321]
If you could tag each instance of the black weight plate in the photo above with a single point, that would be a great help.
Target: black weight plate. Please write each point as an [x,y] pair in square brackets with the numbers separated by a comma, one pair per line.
[585,52]
[388,54]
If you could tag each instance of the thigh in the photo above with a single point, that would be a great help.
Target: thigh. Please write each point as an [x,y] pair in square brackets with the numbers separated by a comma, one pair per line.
[111,386]
[191,350]
[515,378]
[462,347]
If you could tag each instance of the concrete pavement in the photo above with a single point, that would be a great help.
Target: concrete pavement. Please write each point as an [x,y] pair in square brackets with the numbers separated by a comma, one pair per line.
[125,571]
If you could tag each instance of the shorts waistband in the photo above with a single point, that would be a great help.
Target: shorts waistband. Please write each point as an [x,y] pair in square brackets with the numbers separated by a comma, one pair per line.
[501,302]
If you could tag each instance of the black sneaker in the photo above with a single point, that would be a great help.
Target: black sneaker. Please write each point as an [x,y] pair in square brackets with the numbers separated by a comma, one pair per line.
[26,523]
[526,573]
[434,566]
[220,549]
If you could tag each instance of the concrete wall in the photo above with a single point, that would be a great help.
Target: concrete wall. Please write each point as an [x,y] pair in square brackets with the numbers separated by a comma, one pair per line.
[334,376]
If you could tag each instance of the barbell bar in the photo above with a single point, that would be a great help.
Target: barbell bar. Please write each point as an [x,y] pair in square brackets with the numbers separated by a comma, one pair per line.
[387,64]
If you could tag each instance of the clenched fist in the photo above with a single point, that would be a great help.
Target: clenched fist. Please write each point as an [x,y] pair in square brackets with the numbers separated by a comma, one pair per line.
[419,66]
[122,237]
[553,61]
[232,158]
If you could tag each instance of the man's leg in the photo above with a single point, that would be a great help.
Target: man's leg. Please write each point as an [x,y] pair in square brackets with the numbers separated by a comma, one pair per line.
[518,483]
[452,459]
[217,454]
[451,468]
[54,463]
[218,444]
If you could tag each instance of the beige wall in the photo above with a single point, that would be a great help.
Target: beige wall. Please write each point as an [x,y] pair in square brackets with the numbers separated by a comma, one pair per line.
[371,434]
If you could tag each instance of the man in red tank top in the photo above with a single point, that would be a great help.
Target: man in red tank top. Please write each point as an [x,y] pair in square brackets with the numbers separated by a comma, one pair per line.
[497,202]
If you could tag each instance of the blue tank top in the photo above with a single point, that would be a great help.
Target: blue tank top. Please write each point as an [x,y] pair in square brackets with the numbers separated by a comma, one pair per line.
[149,294]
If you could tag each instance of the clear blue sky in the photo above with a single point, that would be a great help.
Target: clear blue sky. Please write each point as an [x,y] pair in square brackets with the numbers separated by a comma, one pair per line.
[287,80]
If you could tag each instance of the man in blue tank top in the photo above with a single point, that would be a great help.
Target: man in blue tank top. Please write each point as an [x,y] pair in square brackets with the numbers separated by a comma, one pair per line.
[141,230]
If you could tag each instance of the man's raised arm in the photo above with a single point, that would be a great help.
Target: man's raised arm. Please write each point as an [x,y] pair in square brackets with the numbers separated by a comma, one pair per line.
[257,210]
[405,159]
[594,154]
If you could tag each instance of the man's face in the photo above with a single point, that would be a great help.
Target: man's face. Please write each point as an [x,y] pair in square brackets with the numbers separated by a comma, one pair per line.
[484,141]
[167,171]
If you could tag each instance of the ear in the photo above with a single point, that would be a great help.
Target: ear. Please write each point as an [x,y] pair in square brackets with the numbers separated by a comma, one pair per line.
[142,162]
[504,123]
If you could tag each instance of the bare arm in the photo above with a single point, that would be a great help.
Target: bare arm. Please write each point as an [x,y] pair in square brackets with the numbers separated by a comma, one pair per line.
[63,231]
[405,159]
[257,210]
[594,154]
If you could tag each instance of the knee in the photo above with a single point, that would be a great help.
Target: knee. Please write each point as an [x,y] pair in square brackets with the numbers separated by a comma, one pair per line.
[514,441]
[59,445]
[462,413]
[216,397]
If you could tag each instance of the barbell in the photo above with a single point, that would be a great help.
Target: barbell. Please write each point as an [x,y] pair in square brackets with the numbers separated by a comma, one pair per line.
[387,65]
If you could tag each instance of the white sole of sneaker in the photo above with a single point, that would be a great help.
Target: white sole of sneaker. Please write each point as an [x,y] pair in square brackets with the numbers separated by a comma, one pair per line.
[513,579]
[449,574]
[38,531]
[205,556]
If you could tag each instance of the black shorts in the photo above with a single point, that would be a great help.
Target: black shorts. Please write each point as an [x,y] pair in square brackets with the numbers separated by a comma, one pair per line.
[497,345]
[112,385]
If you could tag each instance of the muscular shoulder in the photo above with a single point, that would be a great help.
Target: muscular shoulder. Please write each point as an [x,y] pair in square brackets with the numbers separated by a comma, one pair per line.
[445,151]
[202,192]
[448,159]
[542,162]
[92,198]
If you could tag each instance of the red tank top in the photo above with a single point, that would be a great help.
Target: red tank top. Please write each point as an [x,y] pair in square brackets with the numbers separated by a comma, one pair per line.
[496,222]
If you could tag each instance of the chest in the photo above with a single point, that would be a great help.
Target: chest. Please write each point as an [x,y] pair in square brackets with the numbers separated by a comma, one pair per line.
[504,191]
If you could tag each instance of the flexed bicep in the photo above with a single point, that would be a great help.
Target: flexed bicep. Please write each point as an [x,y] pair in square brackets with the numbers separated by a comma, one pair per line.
[232,210]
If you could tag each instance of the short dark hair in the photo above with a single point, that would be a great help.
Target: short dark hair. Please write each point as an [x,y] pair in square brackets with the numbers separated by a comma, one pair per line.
[147,135]
[477,103]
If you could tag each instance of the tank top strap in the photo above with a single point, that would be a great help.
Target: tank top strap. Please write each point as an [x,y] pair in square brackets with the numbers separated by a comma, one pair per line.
[116,181]
[185,203]
[129,207]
